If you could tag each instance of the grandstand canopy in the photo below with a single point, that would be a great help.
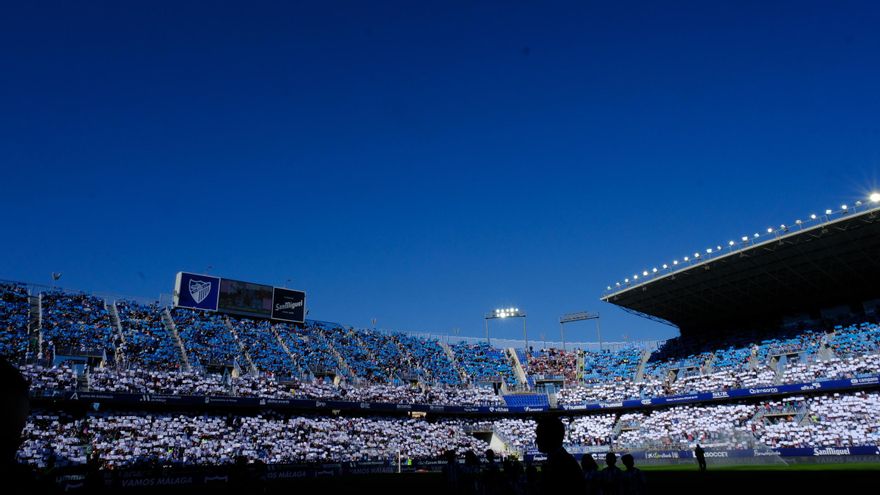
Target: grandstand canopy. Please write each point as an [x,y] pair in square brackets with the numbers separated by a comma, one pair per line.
[795,275]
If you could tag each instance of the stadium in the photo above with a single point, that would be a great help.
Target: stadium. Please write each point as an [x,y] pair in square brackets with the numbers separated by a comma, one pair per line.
[472,247]
[777,366]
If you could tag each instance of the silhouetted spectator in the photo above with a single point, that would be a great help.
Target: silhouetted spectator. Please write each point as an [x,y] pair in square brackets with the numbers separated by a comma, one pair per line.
[17,478]
[611,475]
[471,478]
[492,480]
[633,479]
[591,474]
[561,473]
[700,454]
[452,472]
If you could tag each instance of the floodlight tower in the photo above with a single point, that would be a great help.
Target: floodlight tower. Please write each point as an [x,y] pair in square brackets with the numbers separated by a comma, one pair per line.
[579,316]
[506,313]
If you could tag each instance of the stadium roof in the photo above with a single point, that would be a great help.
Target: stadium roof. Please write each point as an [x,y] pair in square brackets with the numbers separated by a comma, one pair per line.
[796,272]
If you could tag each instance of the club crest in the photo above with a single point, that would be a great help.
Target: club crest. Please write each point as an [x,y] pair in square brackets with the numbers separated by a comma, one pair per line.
[199,290]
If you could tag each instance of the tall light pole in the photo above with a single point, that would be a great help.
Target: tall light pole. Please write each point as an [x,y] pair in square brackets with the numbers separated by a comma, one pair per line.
[579,316]
[503,313]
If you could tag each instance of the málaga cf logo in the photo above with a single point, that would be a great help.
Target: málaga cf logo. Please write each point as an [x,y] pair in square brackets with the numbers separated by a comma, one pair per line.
[199,290]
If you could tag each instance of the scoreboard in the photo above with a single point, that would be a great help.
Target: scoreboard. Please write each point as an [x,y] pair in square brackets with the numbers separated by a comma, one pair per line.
[235,297]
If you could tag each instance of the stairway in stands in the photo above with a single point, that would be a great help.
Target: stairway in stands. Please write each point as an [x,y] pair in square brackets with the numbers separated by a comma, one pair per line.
[640,371]
[168,321]
[297,370]
[119,357]
[340,361]
[518,368]
[451,355]
[244,352]
[35,325]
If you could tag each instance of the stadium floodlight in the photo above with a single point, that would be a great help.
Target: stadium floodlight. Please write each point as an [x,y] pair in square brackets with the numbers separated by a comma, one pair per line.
[696,255]
[503,313]
[875,197]
[709,251]
[844,207]
[769,230]
[730,243]
[665,266]
[675,262]
[828,212]
[745,238]
[686,258]
[645,273]
[798,222]
[635,277]
[756,235]
[626,280]
[812,216]
[858,203]
[617,284]
[654,270]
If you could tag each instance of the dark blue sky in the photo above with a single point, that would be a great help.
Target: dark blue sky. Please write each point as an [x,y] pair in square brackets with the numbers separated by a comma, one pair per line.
[418,162]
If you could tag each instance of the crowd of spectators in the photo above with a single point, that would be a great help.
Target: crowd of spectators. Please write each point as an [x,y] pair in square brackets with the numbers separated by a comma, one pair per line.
[76,323]
[263,347]
[206,338]
[679,428]
[310,351]
[484,363]
[44,379]
[147,342]
[346,342]
[143,381]
[431,358]
[611,391]
[856,340]
[556,362]
[119,440]
[832,420]
[822,369]
[14,315]
[611,366]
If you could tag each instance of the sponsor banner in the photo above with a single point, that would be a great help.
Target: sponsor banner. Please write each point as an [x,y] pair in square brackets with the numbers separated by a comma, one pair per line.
[196,291]
[289,305]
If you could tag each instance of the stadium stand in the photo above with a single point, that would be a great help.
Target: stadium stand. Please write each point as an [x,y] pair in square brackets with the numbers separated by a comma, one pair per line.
[76,323]
[14,311]
[318,361]
[146,343]
[484,363]
[206,338]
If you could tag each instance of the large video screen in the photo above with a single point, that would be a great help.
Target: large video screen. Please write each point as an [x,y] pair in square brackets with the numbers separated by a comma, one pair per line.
[245,298]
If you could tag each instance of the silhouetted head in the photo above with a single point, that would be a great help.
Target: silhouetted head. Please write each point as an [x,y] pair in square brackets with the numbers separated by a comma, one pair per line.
[471,459]
[449,455]
[15,409]
[490,455]
[588,463]
[550,433]
[628,461]
[610,459]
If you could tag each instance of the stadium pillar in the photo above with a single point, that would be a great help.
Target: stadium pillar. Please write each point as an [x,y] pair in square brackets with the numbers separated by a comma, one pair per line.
[525,335]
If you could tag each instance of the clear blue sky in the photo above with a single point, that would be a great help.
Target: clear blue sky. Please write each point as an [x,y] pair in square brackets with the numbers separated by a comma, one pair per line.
[423,162]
